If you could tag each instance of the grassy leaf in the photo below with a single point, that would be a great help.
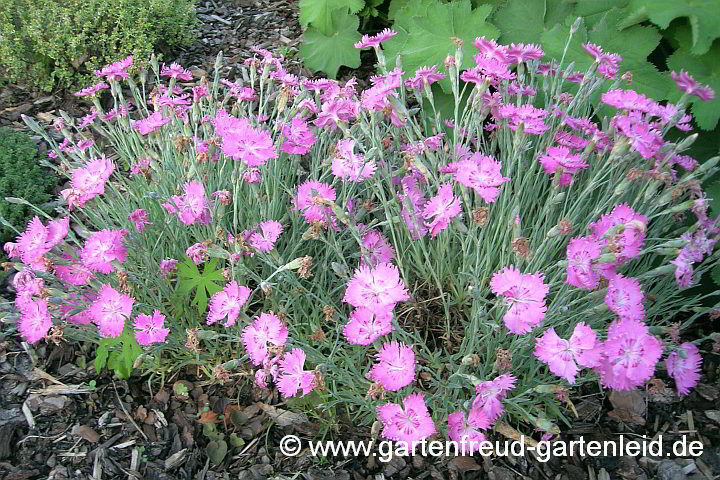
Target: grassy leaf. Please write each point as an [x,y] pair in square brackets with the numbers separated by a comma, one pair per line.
[319,12]
[426,40]
[327,53]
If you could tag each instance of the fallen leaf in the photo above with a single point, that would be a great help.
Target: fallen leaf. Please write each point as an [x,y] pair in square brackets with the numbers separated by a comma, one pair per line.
[86,433]
[208,417]
[713,415]
[629,406]
[283,418]
[464,464]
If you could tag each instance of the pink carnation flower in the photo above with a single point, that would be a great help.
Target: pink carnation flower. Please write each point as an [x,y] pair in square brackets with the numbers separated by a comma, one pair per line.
[91,90]
[88,182]
[167,266]
[312,198]
[197,253]
[518,53]
[481,173]
[487,406]
[227,303]
[266,328]
[336,110]
[350,166]
[374,41]
[443,207]
[365,326]
[243,142]
[265,239]
[643,136]
[396,366]
[39,239]
[424,76]
[116,71]
[375,287]
[252,175]
[410,423]
[192,206]
[299,139]
[176,71]
[530,117]
[74,273]
[102,248]
[150,328]
[561,158]
[140,218]
[490,48]
[376,249]
[413,201]
[467,436]
[109,311]
[153,122]
[525,294]
[629,355]
[581,272]
[293,377]
[564,356]
[624,230]
[35,320]
[625,298]
[686,83]
[683,365]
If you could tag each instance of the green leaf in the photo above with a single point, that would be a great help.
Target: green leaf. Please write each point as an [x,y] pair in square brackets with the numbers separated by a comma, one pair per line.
[713,192]
[521,21]
[205,284]
[328,52]
[592,11]
[319,12]
[101,356]
[704,17]
[704,69]
[426,40]
[715,275]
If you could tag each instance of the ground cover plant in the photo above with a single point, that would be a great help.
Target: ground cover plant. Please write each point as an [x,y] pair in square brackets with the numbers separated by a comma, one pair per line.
[370,258]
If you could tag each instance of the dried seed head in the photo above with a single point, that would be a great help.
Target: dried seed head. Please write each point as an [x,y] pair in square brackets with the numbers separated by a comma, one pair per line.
[305,266]
[503,360]
[55,335]
[318,335]
[227,274]
[473,359]
[318,381]
[564,226]
[266,288]
[656,386]
[123,282]
[562,394]
[192,342]
[521,247]
[481,216]
[202,157]
[181,143]
[376,391]
[673,330]
[7,266]
[221,373]
[328,312]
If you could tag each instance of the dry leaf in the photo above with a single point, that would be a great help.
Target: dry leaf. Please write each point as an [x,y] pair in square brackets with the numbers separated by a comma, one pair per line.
[283,418]
[208,417]
[629,406]
[464,464]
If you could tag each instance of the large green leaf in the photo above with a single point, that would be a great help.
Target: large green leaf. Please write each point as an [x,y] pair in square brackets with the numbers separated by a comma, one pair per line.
[593,11]
[425,40]
[704,69]
[713,191]
[319,12]
[204,284]
[329,52]
[704,16]
[521,21]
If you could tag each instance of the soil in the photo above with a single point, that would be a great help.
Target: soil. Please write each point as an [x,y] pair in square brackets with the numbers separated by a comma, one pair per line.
[59,419]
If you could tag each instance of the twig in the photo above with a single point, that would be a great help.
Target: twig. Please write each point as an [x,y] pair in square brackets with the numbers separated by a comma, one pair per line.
[127,414]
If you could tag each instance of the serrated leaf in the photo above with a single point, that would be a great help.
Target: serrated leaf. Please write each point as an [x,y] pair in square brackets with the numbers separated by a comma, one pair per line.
[592,11]
[704,17]
[205,283]
[328,53]
[704,69]
[319,12]
[713,192]
[426,40]
[520,21]
[715,275]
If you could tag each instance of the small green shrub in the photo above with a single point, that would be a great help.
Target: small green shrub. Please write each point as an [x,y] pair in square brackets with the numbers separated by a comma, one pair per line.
[56,43]
[21,176]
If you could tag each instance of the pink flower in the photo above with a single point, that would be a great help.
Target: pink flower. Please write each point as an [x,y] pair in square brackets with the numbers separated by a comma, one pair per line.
[167,266]
[252,175]
[644,138]
[91,90]
[192,206]
[625,298]
[88,182]
[607,62]
[26,286]
[150,328]
[299,139]
[140,218]
[424,76]
[35,320]
[374,41]
[396,366]
[116,71]
[481,173]
[265,239]
[564,356]
[443,207]
[109,311]
[468,437]
[224,197]
[266,328]
[624,229]
[487,405]
[350,166]
[413,201]
[525,294]
[686,83]
[365,326]
[102,248]
[38,239]
[629,355]
[376,249]
[74,273]
[581,272]
[375,287]
[561,158]
[683,365]
[627,100]
[141,165]
[410,423]
[228,303]
[242,142]
[176,71]
[336,110]
[530,117]
[153,122]
[293,377]
[522,53]
[312,200]
[490,48]
[197,253]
